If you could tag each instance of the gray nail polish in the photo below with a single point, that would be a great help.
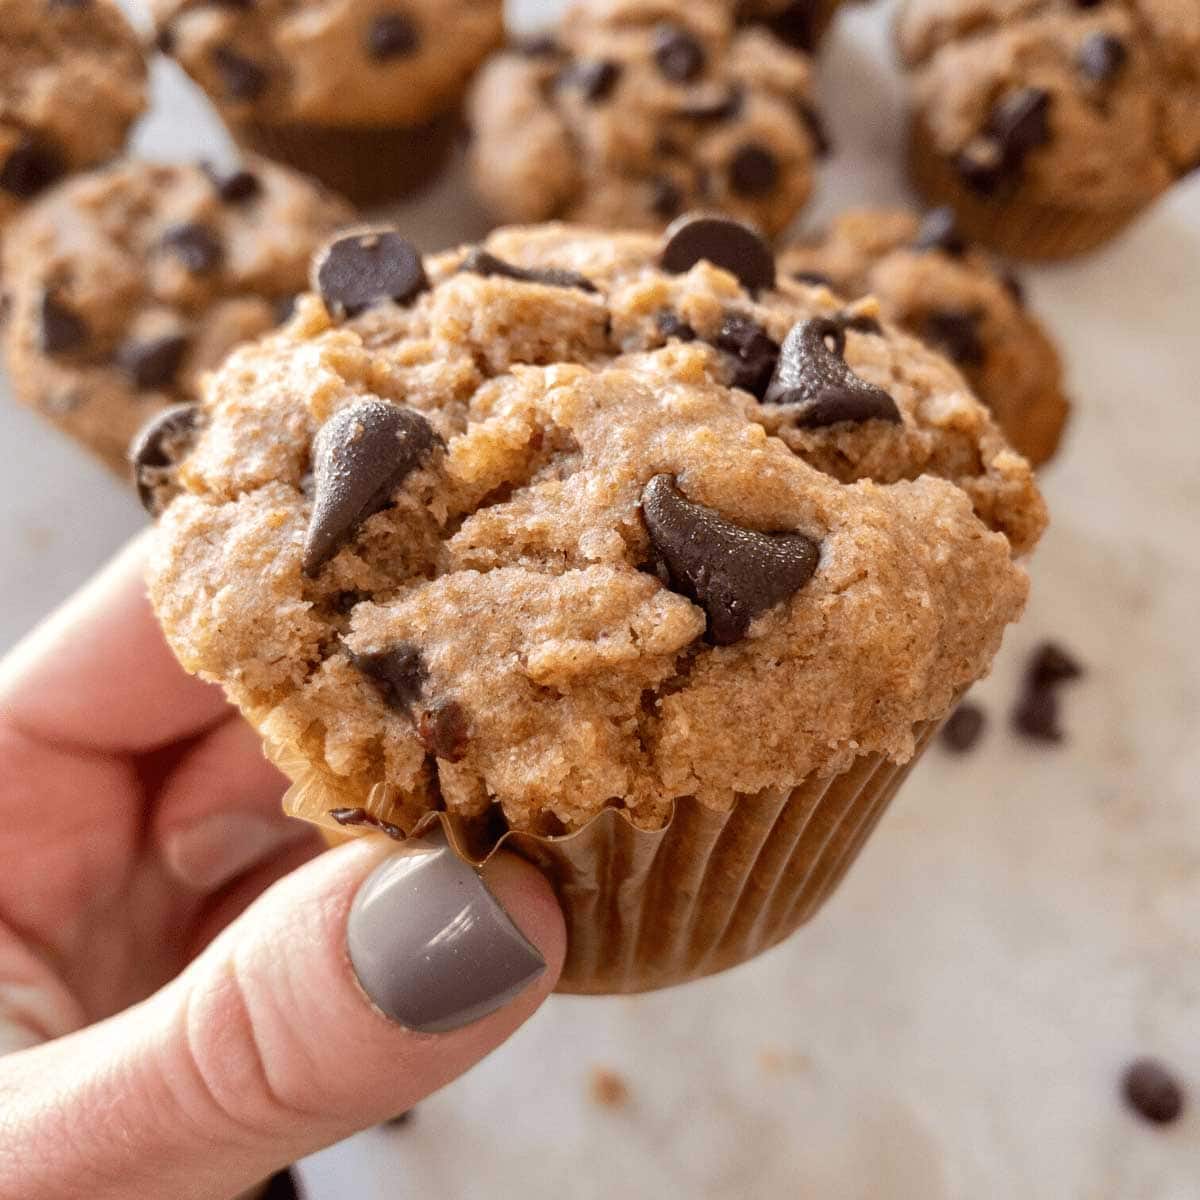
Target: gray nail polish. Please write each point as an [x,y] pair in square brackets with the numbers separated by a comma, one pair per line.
[431,946]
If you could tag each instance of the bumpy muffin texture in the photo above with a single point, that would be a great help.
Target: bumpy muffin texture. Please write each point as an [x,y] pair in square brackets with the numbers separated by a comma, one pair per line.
[1049,124]
[638,109]
[553,525]
[72,81]
[126,284]
[934,284]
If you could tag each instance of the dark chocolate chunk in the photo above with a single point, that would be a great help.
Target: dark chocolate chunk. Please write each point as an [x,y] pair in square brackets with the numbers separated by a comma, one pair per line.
[939,231]
[679,56]
[480,262]
[725,243]
[60,329]
[813,278]
[356,818]
[1020,121]
[398,673]
[813,377]
[964,728]
[956,333]
[236,187]
[242,78]
[670,325]
[392,35]
[194,245]
[796,24]
[595,80]
[753,170]
[665,198]
[754,353]
[156,452]
[715,107]
[30,168]
[1101,57]
[817,130]
[361,455]
[1152,1092]
[1050,665]
[363,269]
[981,165]
[152,365]
[1036,715]
[443,730]
[733,573]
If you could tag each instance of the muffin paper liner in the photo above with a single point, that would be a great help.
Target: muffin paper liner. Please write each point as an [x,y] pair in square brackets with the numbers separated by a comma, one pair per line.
[647,909]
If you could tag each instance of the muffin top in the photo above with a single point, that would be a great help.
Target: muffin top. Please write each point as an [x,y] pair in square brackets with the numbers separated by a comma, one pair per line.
[553,524]
[330,62]
[1093,105]
[955,297]
[127,283]
[72,81]
[635,110]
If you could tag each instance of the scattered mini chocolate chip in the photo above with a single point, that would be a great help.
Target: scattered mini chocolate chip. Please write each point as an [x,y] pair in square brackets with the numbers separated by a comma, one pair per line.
[796,24]
[355,272]
[860,323]
[398,673]
[754,352]
[1051,664]
[392,35]
[714,107]
[153,364]
[817,130]
[480,262]
[666,199]
[939,231]
[964,728]
[243,79]
[1036,715]
[355,818]
[156,452]
[1101,57]
[956,333]
[679,56]
[595,80]
[194,245]
[60,329]
[981,165]
[443,730]
[753,170]
[361,455]
[236,187]
[813,278]
[539,45]
[30,168]
[733,573]
[725,243]
[813,376]
[1152,1092]
[1013,285]
[671,325]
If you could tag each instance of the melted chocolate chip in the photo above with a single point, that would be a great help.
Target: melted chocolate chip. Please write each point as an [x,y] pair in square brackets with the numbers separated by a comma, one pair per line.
[754,353]
[679,56]
[665,198]
[443,730]
[243,79]
[956,333]
[237,187]
[156,452]
[195,246]
[713,108]
[796,24]
[818,131]
[480,262]
[964,728]
[361,455]
[1152,1092]
[60,329]
[398,674]
[733,573]
[814,378]
[670,325]
[30,168]
[753,170]
[363,269]
[939,231]
[813,278]
[356,818]
[1051,665]
[1101,57]
[392,35]
[595,80]
[727,244]
[152,365]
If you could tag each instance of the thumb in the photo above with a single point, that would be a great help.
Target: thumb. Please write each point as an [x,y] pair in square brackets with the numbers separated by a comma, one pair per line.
[348,992]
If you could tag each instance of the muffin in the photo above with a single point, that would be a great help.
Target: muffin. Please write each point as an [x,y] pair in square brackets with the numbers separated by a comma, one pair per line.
[72,82]
[1049,126]
[638,109]
[954,296]
[128,283]
[800,23]
[362,94]
[614,548]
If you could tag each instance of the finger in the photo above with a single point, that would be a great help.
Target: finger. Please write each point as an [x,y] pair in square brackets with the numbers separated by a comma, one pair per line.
[351,990]
[99,675]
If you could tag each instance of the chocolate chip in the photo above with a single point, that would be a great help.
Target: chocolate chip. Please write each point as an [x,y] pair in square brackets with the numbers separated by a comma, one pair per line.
[156,452]
[30,168]
[398,674]
[1050,664]
[194,245]
[733,573]
[392,35]
[956,333]
[1013,285]
[1020,122]
[60,329]
[242,78]
[539,45]
[235,188]
[665,198]
[670,325]
[964,728]
[754,352]
[152,365]
[1152,1092]
[679,56]
[595,80]
[354,818]
[1101,57]
[939,231]
[361,455]
[443,730]
[363,269]
[814,378]
[796,24]
[480,262]
[753,170]
[727,244]
[818,131]
[813,278]
[1036,715]
[981,165]
[717,107]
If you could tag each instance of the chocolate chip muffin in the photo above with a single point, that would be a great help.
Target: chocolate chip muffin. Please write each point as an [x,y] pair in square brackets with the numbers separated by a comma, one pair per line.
[360,93]
[930,281]
[638,109]
[72,82]
[1050,124]
[574,525]
[800,23]
[128,283]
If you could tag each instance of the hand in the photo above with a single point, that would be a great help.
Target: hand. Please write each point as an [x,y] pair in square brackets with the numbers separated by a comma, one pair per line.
[184,980]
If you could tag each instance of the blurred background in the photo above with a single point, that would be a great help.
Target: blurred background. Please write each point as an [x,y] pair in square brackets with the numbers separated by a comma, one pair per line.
[1027,919]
